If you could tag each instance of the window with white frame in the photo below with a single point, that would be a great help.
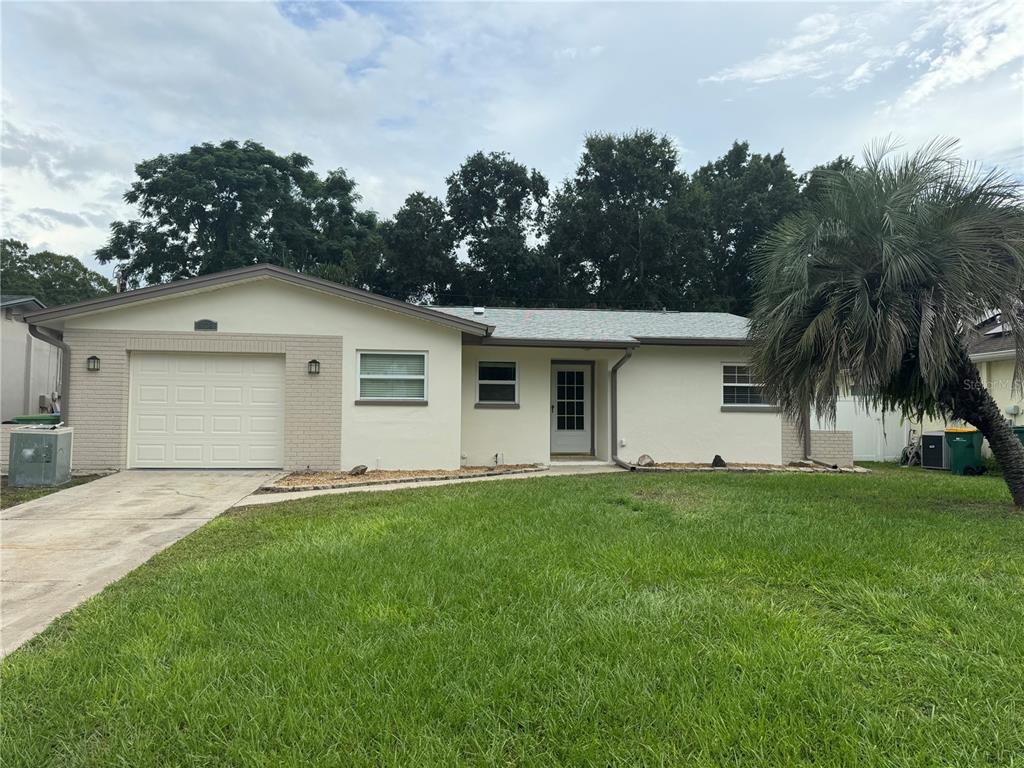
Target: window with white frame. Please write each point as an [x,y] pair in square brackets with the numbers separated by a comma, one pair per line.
[739,386]
[392,375]
[497,383]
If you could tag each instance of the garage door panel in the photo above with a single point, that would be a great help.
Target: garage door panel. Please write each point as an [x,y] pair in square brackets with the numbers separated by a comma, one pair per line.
[265,395]
[206,410]
[227,395]
[264,425]
[189,424]
[152,423]
[152,394]
[260,454]
[227,425]
[154,365]
[146,452]
[195,395]
[190,365]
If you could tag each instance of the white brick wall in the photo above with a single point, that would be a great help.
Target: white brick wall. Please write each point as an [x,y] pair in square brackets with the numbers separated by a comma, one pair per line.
[98,402]
[827,446]
[832,447]
[5,447]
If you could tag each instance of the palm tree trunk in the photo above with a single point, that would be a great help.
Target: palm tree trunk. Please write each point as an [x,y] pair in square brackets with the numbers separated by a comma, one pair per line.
[971,402]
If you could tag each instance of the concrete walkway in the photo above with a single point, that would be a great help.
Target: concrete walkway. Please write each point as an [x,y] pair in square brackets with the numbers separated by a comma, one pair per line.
[555,470]
[63,548]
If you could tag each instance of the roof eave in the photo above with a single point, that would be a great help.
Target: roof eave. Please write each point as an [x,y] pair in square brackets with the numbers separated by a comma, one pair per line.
[692,341]
[245,273]
[507,341]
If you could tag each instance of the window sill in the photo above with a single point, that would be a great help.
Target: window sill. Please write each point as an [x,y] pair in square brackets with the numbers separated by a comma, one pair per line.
[391,402]
[750,409]
[498,406]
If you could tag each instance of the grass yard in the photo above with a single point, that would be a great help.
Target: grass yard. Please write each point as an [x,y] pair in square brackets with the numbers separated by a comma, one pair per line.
[699,620]
[10,497]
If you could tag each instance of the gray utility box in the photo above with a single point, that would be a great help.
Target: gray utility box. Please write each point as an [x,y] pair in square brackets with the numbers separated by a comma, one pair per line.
[40,456]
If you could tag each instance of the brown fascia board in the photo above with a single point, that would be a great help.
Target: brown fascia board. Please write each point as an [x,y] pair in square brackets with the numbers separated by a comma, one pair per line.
[248,273]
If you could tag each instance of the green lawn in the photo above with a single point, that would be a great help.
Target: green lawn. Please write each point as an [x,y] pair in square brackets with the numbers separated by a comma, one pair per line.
[10,497]
[700,620]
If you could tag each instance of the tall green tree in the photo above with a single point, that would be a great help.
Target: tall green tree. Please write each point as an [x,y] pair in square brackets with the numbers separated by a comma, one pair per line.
[496,207]
[747,195]
[52,278]
[881,279]
[419,261]
[229,205]
[626,228]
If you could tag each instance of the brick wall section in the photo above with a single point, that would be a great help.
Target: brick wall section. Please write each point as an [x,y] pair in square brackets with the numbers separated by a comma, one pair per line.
[792,442]
[98,402]
[832,447]
[827,446]
[5,447]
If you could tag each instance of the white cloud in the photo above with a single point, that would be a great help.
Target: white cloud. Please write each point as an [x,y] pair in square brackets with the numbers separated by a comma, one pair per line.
[979,39]
[399,94]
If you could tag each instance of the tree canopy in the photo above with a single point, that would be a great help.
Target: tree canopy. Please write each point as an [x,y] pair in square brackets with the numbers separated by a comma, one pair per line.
[52,278]
[628,229]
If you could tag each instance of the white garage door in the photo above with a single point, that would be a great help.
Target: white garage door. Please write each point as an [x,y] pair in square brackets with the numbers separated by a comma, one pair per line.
[206,410]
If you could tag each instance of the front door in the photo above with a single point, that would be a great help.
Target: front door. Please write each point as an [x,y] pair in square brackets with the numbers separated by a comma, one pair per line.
[570,409]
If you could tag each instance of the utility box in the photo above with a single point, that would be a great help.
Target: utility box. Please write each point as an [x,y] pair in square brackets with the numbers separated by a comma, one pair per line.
[934,453]
[40,457]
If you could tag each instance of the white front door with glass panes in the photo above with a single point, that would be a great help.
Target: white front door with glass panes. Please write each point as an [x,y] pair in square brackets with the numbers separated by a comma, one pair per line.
[570,409]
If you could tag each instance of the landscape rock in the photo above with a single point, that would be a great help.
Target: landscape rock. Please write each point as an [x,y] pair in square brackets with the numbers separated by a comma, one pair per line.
[645,461]
[718,461]
[359,469]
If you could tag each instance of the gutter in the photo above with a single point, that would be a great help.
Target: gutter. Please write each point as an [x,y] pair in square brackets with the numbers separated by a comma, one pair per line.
[1003,354]
[65,365]
[614,396]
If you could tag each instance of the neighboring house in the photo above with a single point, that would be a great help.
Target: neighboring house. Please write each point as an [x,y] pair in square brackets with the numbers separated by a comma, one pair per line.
[993,351]
[263,367]
[30,367]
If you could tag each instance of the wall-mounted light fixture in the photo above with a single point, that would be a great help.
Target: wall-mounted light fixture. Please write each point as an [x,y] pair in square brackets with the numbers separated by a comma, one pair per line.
[313,367]
[92,364]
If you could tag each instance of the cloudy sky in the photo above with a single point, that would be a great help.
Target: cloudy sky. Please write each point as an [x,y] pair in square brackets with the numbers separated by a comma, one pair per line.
[398,94]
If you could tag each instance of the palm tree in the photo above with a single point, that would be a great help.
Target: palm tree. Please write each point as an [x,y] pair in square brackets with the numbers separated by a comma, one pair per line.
[881,281]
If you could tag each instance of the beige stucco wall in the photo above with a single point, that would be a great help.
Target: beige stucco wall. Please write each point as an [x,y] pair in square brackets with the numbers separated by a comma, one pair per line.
[670,408]
[419,437]
[523,435]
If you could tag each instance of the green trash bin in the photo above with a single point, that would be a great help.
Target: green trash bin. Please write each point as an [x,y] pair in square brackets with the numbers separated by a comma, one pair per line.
[38,418]
[1019,432]
[964,450]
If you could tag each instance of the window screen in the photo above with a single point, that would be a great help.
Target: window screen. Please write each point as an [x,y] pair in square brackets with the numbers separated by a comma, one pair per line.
[392,375]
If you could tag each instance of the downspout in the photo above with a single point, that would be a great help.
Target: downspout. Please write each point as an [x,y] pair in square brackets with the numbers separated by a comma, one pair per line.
[65,365]
[615,409]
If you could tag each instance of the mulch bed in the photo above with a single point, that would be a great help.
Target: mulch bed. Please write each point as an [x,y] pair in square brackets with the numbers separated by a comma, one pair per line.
[324,481]
[804,467]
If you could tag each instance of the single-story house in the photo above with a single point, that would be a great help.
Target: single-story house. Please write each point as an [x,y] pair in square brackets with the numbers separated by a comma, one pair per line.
[31,367]
[264,367]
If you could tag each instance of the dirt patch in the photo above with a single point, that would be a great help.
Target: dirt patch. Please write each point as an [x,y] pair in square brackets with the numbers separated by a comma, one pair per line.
[317,481]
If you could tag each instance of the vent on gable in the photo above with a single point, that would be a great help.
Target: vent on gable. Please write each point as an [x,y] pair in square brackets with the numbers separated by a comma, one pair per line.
[205,325]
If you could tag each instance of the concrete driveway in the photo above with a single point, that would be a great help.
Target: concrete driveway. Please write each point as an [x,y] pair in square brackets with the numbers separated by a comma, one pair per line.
[63,548]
